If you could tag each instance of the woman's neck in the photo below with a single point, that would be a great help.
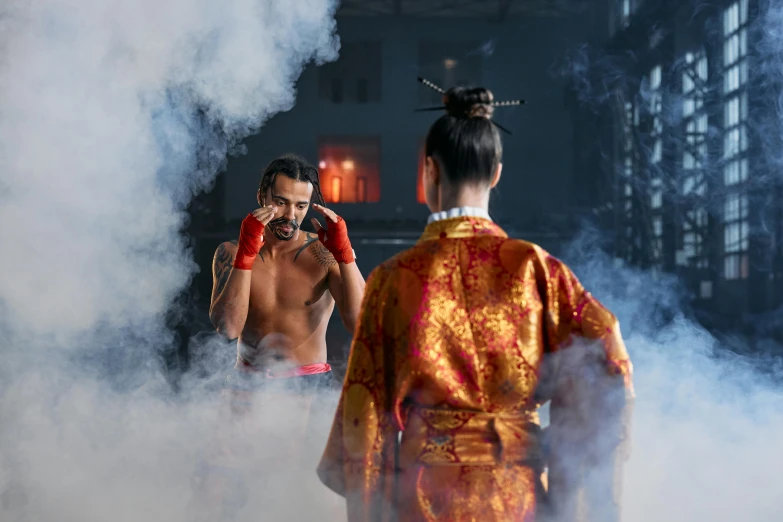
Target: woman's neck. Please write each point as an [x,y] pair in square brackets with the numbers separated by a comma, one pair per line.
[465,196]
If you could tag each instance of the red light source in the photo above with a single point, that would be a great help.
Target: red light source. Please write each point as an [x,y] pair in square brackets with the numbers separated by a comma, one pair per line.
[420,178]
[337,190]
[350,169]
[361,189]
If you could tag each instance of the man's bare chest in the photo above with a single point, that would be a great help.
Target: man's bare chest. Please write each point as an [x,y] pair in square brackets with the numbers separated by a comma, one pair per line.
[287,285]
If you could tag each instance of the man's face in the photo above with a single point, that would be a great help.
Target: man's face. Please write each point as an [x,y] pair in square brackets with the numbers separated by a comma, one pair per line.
[292,199]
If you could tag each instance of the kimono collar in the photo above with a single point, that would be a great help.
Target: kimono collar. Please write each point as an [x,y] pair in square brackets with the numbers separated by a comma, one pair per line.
[461,227]
[458,212]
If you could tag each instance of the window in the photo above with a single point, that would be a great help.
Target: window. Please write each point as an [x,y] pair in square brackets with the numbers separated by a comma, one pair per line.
[336,93]
[350,169]
[336,193]
[705,290]
[627,188]
[361,189]
[356,75]
[694,155]
[622,11]
[735,140]
[361,90]
[627,173]
[448,64]
[656,155]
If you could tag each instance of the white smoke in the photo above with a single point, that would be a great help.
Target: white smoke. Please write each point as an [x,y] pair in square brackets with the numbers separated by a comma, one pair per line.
[705,421]
[99,137]
[709,408]
[113,115]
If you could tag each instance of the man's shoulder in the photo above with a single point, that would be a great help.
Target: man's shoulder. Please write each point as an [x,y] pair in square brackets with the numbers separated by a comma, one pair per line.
[226,249]
[307,239]
[311,249]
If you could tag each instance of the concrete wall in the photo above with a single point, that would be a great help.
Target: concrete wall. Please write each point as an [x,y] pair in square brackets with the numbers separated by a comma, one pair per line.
[537,157]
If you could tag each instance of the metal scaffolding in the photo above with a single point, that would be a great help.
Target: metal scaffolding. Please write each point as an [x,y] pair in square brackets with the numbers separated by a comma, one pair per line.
[693,189]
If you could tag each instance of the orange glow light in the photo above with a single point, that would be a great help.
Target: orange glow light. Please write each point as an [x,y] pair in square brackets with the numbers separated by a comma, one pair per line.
[351,169]
[337,190]
[420,177]
[361,189]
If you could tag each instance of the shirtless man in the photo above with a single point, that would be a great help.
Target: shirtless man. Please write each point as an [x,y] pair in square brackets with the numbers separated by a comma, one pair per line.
[274,291]
[279,280]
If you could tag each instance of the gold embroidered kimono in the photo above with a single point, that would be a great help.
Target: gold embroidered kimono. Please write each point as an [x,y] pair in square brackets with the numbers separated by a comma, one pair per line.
[438,414]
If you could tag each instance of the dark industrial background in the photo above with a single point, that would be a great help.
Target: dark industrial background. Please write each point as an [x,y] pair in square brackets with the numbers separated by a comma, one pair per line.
[639,120]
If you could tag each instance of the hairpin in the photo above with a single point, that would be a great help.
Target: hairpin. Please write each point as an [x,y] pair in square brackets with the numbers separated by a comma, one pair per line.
[440,90]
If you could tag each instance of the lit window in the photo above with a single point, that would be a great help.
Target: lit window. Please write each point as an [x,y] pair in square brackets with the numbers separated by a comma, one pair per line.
[361,189]
[656,107]
[735,140]
[656,193]
[694,155]
[350,169]
[705,290]
[655,77]
[336,193]
[657,225]
[656,156]
[735,266]
[627,172]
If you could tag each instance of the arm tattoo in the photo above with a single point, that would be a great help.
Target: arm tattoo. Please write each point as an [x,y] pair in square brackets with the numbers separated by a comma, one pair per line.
[309,241]
[223,264]
[322,255]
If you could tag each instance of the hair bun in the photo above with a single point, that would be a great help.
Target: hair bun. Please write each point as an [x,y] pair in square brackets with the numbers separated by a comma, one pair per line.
[462,102]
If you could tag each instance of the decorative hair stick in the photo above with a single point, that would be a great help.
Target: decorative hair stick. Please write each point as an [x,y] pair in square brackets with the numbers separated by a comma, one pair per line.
[431,85]
[434,87]
[499,126]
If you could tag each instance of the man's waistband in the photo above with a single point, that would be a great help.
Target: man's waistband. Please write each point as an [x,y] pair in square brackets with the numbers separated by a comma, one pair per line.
[298,371]
[302,379]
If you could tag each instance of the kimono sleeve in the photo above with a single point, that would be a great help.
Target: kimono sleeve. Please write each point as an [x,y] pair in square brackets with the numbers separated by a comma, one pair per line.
[591,392]
[572,313]
[356,460]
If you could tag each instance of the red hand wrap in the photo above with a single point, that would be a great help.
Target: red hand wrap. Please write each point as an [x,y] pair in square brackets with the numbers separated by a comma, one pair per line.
[251,239]
[336,241]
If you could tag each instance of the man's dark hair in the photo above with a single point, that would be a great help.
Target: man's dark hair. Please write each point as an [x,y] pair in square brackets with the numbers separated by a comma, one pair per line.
[464,141]
[294,167]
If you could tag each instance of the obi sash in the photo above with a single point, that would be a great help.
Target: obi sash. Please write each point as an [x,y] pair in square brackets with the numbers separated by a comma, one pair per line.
[454,437]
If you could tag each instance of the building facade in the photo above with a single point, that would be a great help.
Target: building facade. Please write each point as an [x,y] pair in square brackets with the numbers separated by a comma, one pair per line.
[685,109]
[355,119]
